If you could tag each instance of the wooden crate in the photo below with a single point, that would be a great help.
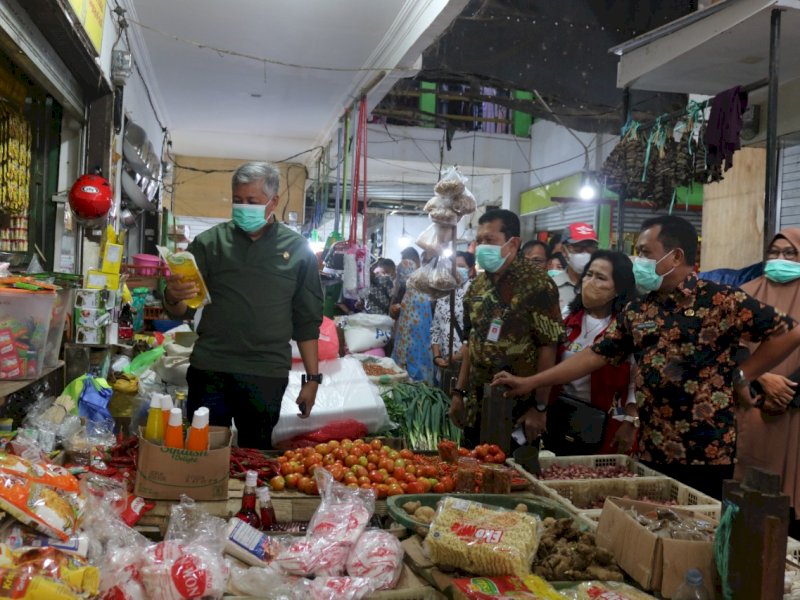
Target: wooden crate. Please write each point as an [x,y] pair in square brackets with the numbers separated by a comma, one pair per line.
[580,494]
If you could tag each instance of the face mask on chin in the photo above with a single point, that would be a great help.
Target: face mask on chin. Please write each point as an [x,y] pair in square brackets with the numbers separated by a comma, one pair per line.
[250,217]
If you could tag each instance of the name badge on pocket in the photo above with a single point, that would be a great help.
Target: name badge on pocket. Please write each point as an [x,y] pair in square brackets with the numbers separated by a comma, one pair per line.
[494,330]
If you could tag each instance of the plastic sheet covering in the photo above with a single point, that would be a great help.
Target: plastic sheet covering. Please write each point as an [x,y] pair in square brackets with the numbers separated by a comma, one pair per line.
[346,393]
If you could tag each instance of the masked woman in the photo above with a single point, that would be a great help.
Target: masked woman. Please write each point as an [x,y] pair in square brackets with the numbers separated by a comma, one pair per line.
[412,333]
[604,288]
[769,435]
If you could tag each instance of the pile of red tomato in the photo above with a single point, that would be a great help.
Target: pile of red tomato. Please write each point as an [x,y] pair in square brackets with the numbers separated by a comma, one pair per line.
[368,465]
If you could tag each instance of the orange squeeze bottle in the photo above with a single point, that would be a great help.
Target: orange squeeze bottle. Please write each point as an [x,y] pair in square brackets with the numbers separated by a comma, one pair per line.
[173,437]
[166,406]
[198,432]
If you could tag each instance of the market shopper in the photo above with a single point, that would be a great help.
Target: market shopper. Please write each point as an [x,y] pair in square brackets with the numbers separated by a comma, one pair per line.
[440,327]
[264,284]
[511,321]
[579,240]
[685,333]
[412,333]
[610,415]
[382,278]
[536,252]
[409,262]
[769,435]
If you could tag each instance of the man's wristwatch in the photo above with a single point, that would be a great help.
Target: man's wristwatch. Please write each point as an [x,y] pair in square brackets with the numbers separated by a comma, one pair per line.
[305,378]
[632,420]
[739,380]
[541,407]
[459,391]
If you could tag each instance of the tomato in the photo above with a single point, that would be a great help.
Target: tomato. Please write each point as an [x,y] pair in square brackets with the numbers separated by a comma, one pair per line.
[394,490]
[494,449]
[310,470]
[366,486]
[404,487]
[428,471]
[350,477]
[312,460]
[393,454]
[406,453]
[410,478]
[287,469]
[482,451]
[384,450]
[463,451]
[386,464]
[333,444]
[376,444]
[353,485]
[439,488]
[277,483]
[377,476]
[425,484]
[329,459]
[291,480]
[448,483]
[308,451]
[364,480]
[337,471]
[373,457]
[415,488]
[322,449]
[359,471]
[282,459]
[391,481]
[399,473]
[362,460]
[346,445]
[411,468]
[350,460]
[382,490]
[303,484]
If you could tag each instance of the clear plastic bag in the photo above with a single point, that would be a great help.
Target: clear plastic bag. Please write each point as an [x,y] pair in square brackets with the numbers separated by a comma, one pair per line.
[377,556]
[334,588]
[451,184]
[481,539]
[188,523]
[435,238]
[464,204]
[436,278]
[255,581]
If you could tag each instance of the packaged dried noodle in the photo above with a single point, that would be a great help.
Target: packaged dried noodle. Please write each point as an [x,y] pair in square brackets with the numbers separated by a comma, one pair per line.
[482,540]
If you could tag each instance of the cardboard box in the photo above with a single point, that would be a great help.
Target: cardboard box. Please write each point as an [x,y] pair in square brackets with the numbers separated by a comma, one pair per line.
[165,473]
[97,280]
[112,258]
[655,563]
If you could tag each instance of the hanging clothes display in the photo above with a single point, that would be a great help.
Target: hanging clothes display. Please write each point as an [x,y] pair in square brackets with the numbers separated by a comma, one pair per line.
[722,136]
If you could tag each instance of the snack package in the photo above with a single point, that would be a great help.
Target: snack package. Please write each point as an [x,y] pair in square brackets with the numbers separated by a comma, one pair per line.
[249,545]
[481,540]
[43,508]
[377,556]
[25,585]
[16,536]
[183,265]
[75,572]
[39,472]
[605,590]
[495,588]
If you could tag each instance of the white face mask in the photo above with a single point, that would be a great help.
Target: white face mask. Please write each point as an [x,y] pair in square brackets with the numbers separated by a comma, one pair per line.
[579,260]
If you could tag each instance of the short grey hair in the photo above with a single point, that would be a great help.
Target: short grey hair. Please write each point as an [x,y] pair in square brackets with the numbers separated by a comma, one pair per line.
[258,171]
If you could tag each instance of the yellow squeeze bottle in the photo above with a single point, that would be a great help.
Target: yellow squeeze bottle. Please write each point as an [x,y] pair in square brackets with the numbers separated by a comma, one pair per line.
[154,430]
[184,265]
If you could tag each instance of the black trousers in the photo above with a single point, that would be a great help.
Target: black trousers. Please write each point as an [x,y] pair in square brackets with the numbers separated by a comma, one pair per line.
[704,478]
[253,402]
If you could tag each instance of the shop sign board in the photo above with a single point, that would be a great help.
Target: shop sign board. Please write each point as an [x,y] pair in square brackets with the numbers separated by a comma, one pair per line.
[91,14]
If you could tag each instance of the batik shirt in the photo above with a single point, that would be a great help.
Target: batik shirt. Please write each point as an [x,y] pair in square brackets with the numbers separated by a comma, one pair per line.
[685,344]
[524,302]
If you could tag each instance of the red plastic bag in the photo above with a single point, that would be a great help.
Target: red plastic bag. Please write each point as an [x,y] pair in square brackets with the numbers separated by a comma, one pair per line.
[335,430]
[327,345]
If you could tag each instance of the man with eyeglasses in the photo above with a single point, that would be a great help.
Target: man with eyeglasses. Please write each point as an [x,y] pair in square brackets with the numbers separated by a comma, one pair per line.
[536,252]
[579,240]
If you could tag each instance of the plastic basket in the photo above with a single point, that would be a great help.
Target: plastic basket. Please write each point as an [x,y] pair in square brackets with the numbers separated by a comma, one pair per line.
[24,325]
[65,299]
[601,460]
[585,496]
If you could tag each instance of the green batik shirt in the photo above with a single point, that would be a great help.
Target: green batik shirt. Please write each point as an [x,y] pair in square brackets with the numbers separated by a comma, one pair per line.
[263,294]
[524,302]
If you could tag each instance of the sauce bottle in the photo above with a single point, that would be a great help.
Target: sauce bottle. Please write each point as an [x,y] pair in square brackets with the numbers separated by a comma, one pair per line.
[173,436]
[198,432]
[266,509]
[247,512]
[154,429]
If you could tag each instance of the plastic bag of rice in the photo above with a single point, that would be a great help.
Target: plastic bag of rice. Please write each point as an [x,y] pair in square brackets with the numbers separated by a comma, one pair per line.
[483,540]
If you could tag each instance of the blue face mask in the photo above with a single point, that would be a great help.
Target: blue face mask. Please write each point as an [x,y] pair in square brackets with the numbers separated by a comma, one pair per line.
[249,217]
[463,272]
[644,272]
[490,257]
[780,270]
[555,272]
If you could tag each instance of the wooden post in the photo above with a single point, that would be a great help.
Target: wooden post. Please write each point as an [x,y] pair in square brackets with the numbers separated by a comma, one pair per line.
[496,418]
[758,535]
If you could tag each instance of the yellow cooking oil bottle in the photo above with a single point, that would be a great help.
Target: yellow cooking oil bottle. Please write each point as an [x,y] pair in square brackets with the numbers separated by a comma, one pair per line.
[183,264]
